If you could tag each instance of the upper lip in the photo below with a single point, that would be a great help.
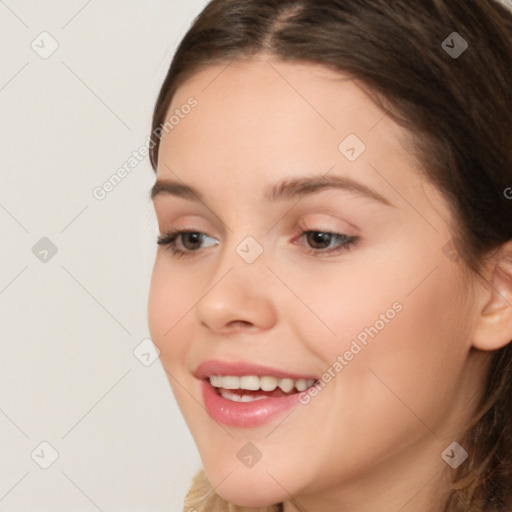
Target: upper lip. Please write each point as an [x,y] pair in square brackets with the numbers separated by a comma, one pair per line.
[240,368]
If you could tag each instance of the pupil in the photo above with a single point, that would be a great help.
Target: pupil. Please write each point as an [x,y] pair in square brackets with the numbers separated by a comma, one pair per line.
[320,238]
[195,237]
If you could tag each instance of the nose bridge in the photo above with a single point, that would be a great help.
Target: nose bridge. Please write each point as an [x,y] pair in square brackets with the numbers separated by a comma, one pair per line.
[239,291]
[247,249]
[244,242]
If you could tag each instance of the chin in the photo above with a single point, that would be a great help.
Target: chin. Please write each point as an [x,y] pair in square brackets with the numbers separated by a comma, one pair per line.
[246,488]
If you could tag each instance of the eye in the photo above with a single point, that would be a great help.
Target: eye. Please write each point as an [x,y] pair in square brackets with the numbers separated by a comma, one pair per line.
[194,237]
[319,241]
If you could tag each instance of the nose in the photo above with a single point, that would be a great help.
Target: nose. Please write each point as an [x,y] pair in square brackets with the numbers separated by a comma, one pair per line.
[238,297]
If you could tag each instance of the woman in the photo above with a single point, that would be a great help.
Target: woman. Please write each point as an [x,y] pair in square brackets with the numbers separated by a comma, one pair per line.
[332,292]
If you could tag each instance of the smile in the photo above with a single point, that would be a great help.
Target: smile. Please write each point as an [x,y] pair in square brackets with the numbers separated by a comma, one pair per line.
[251,387]
[243,394]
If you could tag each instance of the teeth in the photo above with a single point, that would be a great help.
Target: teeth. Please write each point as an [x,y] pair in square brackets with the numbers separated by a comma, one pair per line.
[287,385]
[301,385]
[268,383]
[253,383]
[250,382]
[225,382]
[228,395]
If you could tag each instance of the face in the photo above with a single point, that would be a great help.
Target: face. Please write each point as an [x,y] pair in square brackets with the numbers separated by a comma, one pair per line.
[341,276]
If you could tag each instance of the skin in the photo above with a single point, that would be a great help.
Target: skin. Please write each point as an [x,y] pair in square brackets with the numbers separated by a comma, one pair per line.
[372,438]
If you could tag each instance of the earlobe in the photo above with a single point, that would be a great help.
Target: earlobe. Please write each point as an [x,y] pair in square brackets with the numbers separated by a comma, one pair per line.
[494,325]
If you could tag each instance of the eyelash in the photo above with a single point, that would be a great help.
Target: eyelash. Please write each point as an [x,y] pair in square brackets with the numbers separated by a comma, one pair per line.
[348,242]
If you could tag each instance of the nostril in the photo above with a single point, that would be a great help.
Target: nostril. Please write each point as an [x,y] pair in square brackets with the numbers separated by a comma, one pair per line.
[240,323]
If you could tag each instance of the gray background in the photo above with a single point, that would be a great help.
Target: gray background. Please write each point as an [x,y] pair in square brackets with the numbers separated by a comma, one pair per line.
[73,372]
[70,324]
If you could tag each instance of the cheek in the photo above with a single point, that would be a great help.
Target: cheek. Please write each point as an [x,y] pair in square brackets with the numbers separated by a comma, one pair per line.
[402,332]
[407,370]
[408,297]
[428,343]
[401,384]
[169,303]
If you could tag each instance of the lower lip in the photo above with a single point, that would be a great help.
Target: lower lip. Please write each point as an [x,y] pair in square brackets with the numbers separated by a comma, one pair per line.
[244,414]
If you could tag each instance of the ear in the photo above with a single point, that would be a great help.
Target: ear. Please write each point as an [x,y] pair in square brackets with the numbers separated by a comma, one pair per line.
[493,329]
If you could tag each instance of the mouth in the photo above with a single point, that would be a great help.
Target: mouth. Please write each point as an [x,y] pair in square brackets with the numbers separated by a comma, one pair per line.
[248,395]
[249,388]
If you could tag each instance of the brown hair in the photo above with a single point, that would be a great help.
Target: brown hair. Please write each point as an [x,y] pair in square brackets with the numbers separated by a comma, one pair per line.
[457,111]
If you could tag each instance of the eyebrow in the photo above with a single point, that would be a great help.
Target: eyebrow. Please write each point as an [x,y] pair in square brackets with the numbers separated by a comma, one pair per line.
[286,189]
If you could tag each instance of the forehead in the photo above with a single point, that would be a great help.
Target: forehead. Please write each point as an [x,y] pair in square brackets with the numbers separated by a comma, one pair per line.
[262,120]
[266,85]
[274,106]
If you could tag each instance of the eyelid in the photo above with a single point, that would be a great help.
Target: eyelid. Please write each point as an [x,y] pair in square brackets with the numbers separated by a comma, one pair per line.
[186,218]
[346,243]
[330,216]
[319,223]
